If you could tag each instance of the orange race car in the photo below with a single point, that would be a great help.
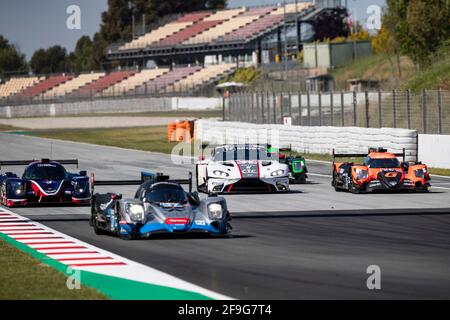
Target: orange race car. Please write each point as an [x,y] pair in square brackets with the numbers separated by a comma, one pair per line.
[381,170]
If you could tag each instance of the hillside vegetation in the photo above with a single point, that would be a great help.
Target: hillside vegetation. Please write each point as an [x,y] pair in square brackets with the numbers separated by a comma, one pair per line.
[385,69]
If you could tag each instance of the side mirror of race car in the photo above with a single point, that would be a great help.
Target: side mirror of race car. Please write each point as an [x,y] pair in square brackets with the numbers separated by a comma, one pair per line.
[83,173]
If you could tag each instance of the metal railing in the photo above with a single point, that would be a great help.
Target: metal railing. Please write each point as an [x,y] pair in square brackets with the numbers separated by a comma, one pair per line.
[426,112]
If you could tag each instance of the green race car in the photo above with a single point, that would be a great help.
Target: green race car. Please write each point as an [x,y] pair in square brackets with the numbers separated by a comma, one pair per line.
[297,164]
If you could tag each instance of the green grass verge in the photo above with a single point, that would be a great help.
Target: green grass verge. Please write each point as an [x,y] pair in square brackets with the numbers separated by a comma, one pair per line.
[440,172]
[145,138]
[23,277]
[4,127]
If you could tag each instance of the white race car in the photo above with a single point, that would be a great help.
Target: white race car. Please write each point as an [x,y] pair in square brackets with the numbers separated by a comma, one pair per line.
[241,168]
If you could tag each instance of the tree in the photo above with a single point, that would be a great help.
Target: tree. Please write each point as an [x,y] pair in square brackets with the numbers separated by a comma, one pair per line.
[82,59]
[51,60]
[331,24]
[418,27]
[384,43]
[11,60]
[428,27]
[116,21]
[4,43]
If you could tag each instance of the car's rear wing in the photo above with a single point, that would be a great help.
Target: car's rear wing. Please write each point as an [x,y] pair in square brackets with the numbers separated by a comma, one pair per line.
[362,155]
[27,162]
[286,149]
[145,176]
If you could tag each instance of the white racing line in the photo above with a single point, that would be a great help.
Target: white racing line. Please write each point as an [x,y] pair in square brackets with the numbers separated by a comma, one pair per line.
[81,255]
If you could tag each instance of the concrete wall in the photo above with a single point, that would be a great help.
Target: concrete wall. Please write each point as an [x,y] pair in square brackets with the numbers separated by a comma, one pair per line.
[110,106]
[310,139]
[434,150]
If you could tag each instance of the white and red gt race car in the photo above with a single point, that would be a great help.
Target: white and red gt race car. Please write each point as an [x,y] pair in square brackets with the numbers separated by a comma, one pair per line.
[241,168]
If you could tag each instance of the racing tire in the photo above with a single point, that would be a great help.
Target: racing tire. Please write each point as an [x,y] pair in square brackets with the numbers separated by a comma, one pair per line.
[354,189]
[126,237]
[98,231]
[200,188]
[93,221]
[422,189]
[337,189]
[299,180]
[334,183]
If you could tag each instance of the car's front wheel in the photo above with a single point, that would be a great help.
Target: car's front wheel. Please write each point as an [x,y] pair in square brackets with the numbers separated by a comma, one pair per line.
[202,186]
[97,229]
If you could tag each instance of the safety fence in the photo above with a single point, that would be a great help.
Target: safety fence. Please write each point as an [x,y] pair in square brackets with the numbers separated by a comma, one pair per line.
[426,112]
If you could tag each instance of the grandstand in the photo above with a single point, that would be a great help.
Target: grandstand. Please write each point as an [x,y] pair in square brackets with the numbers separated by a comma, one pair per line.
[202,77]
[44,86]
[231,32]
[165,31]
[72,85]
[15,85]
[166,80]
[102,84]
[189,52]
[130,84]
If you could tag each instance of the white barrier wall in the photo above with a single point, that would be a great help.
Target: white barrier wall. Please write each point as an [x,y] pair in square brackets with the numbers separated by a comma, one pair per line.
[434,150]
[309,139]
[142,104]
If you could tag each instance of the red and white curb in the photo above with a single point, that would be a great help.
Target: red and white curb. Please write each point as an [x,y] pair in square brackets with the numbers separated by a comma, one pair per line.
[81,255]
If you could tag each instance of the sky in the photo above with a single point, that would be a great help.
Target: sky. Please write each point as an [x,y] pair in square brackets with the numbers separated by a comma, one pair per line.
[32,25]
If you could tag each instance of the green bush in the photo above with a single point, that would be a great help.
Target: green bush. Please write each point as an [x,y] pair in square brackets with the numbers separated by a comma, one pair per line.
[244,75]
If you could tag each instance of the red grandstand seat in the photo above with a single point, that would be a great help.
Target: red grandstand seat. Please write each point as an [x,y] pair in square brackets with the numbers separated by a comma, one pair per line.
[103,83]
[44,86]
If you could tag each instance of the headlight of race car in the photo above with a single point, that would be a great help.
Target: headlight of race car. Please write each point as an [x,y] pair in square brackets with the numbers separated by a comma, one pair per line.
[80,186]
[362,174]
[215,211]
[18,188]
[220,173]
[136,212]
[420,173]
[277,173]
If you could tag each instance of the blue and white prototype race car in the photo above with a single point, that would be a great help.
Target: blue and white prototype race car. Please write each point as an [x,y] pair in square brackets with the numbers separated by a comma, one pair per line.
[43,181]
[160,205]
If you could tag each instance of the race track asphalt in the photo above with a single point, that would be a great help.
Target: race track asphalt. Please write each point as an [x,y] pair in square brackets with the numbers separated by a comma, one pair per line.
[311,243]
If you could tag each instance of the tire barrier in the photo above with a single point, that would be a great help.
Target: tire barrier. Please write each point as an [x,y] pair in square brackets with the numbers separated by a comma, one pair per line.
[321,140]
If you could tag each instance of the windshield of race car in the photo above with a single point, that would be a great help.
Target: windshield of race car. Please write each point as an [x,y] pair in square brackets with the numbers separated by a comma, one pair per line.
[382,163]
[244,153]
[45,171]
[166,193]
